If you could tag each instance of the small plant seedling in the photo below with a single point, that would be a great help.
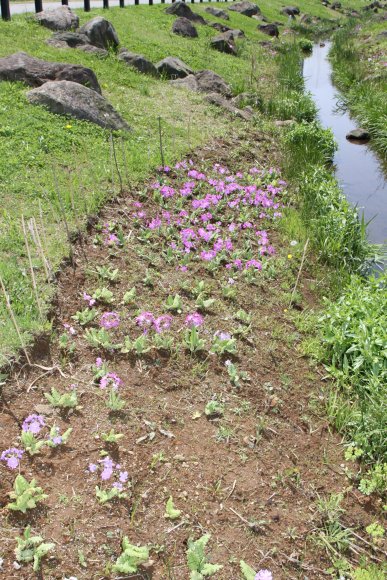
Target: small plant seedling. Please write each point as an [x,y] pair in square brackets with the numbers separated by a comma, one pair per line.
[99,338]
[214,409]
[247,572]
[198,561]
[26,495]
[243,316]
[352,453]
[31,444]
[84,317]
[131,558]
[105,495]
[114,401]
[156,459]
[163,342]
[375,530]
[234,374]
[192,340]
[174,304]
[200,289]
[107,273]
[203,303]
[66,344]
[32,549]
[222,345]
[111,437]
[62,400]
[103,295]
[229,293]
[171,512]
[130,296]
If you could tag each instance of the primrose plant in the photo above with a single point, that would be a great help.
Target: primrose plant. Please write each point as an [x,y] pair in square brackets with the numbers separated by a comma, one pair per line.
[131,558]
[198,561]
[223,343]
[65,401]
[114,480]
[250,574]
[26,495]
[32,549]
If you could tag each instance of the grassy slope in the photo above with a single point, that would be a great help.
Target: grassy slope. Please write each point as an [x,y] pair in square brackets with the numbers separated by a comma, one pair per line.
[35,143]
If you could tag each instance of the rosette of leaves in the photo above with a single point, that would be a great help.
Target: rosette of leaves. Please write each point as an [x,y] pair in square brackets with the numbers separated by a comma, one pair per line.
[26,495]
[32,549]
[171,512]
[197,559]
[62,400]
[131,557]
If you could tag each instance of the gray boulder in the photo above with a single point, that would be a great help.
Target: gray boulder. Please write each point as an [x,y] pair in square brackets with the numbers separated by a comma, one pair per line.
[101,33]
[220,27]
[173,68]
[358,135]
[224,43]
[68,98]
[190,83]
[184,27]
[35,72]
[217,13]
[60,18]
[270,29]
[138,62]
[219,101]
[182,9]
[292,11]
[245,8]
[68,39]
[210,82]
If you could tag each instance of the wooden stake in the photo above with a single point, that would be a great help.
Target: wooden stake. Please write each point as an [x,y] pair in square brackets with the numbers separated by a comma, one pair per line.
[161,144]
[34,285]
[299,272]
[116,162]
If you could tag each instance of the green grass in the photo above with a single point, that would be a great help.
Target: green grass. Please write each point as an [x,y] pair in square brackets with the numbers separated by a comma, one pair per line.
[358,60]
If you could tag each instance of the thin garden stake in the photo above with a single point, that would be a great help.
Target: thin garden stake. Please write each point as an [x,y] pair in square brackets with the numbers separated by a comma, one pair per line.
[9,308]
[45,263]
[111,162]
[125,162]
[161,144]
[299,271]
[64,217]
[34,285]
[116,162]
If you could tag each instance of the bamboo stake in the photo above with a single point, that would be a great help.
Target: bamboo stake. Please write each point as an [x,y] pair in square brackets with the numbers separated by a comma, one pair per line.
[46,265]
[116,162]
[9,308]
[161,144]
[34,285]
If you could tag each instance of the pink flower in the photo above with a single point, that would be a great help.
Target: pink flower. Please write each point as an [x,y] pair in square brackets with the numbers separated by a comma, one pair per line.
[109,320]
[163,322]
[208,256]
[33,424]
[88,299]
[110,380]
[264,575]
[145,320]
[194,319]
[12,457]
[98,362]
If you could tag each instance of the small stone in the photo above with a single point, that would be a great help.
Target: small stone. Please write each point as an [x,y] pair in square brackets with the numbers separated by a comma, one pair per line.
[358,135]
[42,409]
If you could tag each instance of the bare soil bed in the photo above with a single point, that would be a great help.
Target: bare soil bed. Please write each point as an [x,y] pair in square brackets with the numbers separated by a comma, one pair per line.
[249,475]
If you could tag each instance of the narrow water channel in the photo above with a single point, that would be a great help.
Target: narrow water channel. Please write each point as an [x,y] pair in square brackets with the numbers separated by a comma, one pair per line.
[359,170]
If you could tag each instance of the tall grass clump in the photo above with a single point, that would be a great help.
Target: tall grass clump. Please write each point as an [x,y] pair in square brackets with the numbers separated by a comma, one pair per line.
[289,100]
[363,84]
[353,331]
[311,144]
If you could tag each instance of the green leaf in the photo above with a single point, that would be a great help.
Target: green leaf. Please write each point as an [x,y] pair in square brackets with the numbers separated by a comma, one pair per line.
[247,571]
[170,511]
[131,557]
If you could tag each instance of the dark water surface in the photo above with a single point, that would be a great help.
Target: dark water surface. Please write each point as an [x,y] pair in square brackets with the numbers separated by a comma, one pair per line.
[358,169]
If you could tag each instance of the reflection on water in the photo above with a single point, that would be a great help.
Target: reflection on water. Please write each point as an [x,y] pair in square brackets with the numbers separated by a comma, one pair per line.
[358,169]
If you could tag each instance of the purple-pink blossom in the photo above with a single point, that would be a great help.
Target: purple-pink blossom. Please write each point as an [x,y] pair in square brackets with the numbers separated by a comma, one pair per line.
[194,319]
[33,424]
[162,322]
[110,380]
[12,457]
[109,320]
[91,301]
[264,575]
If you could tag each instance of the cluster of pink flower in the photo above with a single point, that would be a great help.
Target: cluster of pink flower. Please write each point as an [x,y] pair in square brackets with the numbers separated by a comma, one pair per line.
[109,237]
[146,320]
[106,379]
[110,470]
[216,207]
[109,320]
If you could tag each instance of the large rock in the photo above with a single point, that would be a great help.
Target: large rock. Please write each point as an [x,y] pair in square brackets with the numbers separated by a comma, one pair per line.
[358,135]
[224,43]
[173,68]
[68,39]
[60,18]
[181,9]
[184,27]
[270,29]
[101,33]
[138,61]
[190,83]
[292,11]
[217,12]
[68,98]
[219,101]
[35,72]
[245,8]
[210,82]
[220,27]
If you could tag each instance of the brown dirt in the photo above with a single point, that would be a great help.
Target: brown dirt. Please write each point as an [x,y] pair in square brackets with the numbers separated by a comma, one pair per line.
[266,460]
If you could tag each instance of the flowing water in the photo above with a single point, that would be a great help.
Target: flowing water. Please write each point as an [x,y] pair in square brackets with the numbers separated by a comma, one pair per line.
[359,170]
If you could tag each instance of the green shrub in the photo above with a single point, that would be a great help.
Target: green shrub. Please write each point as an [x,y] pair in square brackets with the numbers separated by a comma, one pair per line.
[354,337]
[305,44]
[310,143]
